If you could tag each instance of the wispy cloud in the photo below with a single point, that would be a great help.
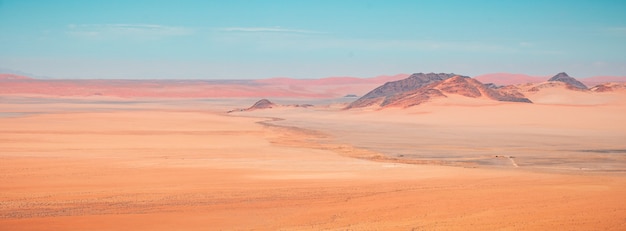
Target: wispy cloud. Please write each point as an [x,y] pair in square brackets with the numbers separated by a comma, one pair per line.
[125,30]
[268,30]
[526,44]
[385,45]
[279,39]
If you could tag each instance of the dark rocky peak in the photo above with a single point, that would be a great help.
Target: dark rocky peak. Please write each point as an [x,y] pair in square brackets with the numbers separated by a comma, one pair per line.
[563,77]
[559,76]
[262,104]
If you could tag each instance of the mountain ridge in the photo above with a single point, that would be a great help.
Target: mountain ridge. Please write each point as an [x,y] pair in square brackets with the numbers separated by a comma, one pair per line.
[393,88]
[420,88]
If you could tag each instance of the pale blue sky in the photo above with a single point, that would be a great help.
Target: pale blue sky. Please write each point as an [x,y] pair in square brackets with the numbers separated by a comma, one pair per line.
[310,39]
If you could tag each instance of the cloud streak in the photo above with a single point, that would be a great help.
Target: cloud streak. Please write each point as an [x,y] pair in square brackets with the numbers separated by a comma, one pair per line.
[268,30]
[288,39]
[102,31]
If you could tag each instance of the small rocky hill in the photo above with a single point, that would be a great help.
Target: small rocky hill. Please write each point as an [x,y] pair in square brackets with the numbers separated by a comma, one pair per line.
[563,77]
[266,104]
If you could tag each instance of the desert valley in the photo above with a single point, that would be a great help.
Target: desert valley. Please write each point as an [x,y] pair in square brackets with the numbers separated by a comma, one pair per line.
[401,152]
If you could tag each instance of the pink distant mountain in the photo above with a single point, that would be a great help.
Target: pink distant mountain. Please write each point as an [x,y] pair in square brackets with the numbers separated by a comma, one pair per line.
[275,87]
[340,80]
[510,79]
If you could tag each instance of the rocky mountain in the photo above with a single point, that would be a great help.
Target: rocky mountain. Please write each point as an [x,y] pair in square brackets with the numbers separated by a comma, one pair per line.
[563,77]
[420,88]
[384,94]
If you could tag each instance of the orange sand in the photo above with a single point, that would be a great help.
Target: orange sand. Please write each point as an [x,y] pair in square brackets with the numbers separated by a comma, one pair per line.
[185,165]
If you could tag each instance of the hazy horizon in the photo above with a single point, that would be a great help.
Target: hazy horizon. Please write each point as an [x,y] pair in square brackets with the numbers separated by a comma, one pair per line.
[252,40]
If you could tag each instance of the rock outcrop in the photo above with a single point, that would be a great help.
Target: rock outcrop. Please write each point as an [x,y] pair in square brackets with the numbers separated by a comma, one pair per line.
[261,104]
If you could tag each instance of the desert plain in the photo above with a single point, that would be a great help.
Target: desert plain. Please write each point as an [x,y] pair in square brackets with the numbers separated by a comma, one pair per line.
[99,162]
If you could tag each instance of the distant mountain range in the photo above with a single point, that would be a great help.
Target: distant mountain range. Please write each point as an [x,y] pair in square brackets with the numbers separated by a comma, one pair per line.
[420,88]
[400,90]
[331,87]
[332,80]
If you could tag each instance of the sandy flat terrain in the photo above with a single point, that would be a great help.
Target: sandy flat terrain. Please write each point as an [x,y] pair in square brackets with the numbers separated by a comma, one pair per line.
[461,131]
[72,164]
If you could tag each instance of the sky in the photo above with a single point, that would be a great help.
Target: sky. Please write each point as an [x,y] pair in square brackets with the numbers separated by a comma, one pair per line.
[309,39]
